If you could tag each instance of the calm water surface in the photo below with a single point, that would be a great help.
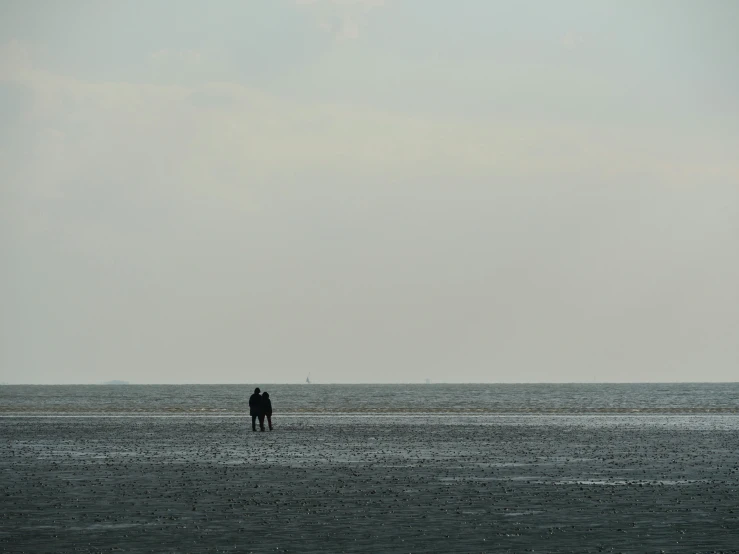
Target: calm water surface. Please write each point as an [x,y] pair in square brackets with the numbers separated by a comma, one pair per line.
[374,399]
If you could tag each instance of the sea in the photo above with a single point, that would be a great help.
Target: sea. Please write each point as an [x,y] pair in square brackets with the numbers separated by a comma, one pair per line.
[447,468]
[389,399]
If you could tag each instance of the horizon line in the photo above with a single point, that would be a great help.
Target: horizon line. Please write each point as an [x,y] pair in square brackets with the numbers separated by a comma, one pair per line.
[124,383]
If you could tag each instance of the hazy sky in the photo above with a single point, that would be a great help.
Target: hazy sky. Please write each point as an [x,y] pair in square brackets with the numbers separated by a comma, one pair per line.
[368,190]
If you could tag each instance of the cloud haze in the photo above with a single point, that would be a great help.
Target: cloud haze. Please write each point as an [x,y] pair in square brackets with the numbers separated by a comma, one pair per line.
[369,191]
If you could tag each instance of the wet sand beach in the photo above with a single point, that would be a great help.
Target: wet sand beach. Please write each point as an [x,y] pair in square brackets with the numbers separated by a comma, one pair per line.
[640,483]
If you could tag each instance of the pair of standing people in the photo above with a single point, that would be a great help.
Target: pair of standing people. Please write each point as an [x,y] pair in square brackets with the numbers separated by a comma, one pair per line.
[259,407]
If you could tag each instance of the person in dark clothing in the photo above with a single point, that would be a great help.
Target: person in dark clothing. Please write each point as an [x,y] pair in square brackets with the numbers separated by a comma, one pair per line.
[256,410]
[267,408]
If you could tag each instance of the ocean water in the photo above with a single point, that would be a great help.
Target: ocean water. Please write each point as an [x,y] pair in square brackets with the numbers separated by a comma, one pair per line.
[576,398]
[371,468]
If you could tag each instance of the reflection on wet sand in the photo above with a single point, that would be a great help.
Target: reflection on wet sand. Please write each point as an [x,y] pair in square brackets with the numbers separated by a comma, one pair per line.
[361,483]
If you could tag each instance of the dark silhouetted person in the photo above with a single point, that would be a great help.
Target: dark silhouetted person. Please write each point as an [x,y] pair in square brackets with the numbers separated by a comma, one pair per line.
[267,408]
[256,410]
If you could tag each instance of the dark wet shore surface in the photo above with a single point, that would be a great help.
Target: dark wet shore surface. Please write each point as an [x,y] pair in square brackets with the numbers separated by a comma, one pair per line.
[371,484]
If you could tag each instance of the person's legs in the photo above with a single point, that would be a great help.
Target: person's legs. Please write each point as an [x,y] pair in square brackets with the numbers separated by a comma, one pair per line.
[253,422]
[261,422]
[269,420]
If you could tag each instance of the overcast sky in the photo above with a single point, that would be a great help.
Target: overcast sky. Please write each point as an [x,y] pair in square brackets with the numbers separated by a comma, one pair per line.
[369,191]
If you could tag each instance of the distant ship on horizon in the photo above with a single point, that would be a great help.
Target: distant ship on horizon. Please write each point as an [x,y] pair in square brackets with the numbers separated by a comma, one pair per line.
[307,379]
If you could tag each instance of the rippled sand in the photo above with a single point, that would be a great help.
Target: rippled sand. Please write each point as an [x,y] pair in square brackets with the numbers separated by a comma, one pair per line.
[371,484]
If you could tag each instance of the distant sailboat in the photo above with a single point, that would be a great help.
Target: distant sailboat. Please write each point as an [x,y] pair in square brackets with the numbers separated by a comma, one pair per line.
[307,379]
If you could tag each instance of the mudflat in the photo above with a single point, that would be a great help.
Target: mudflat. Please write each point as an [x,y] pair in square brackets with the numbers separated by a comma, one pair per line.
[370,484]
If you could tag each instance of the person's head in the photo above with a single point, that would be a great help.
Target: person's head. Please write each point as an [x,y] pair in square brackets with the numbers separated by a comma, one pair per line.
[265,394]
[256,390]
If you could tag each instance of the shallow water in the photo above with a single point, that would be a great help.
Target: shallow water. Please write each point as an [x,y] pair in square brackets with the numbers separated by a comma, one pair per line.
[359,468]
[678,398]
